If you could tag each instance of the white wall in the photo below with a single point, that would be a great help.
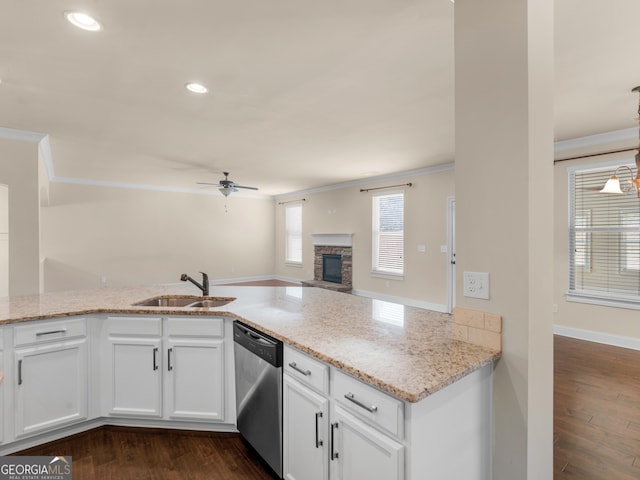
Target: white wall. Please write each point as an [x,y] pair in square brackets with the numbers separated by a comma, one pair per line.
[138,237]
[347,210]
[19,171]
[504,206]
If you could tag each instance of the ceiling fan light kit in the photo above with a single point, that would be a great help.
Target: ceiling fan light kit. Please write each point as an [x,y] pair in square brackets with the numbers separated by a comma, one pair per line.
[613,185]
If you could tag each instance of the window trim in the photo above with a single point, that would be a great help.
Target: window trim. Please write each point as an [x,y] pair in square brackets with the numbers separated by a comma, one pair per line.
[288,261]
[376,272]
[585,295]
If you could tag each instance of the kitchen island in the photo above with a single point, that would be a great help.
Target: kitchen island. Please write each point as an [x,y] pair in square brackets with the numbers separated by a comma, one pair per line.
[406,352]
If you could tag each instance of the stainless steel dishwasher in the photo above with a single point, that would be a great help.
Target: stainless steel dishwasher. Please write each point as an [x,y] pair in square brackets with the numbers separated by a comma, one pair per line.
[258,362]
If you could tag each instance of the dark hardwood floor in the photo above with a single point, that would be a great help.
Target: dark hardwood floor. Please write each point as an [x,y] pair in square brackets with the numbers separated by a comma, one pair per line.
[122,453]
[596,411]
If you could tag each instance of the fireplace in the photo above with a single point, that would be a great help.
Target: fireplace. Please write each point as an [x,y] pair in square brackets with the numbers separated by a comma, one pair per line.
[332,268]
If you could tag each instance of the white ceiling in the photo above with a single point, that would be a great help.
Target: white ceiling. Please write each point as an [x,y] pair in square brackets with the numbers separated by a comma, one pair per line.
[302,94]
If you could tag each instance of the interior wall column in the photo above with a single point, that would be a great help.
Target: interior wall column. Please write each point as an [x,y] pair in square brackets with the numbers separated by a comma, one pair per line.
[504,211]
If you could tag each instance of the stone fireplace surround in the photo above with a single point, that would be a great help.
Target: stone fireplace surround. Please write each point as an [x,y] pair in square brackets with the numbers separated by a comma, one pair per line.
[336,244]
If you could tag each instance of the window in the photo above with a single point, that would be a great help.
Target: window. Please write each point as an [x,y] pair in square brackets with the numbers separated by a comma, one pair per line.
[388,234]
[293,226]
[604,241]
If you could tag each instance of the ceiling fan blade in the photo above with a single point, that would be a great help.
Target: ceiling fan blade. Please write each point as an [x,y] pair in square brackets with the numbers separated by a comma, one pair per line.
[206,183]
[242,186]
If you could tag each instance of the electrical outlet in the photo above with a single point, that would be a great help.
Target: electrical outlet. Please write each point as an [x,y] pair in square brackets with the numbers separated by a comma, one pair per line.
[476,285]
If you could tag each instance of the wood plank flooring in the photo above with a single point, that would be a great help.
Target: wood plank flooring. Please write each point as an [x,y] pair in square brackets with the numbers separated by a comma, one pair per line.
[121,453]
[596,411]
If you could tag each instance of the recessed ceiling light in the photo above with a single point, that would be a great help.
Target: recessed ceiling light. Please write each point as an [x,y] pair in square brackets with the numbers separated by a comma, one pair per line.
[83,21]
[196,87]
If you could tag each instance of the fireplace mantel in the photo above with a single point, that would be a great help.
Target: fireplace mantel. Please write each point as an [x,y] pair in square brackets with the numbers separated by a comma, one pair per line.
[333,239]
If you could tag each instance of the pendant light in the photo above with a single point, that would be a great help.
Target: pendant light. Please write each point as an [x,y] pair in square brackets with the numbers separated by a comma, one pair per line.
[613,184]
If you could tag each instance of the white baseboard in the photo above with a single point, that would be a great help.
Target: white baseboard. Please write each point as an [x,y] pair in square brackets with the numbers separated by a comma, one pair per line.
[598,337]
[436,307]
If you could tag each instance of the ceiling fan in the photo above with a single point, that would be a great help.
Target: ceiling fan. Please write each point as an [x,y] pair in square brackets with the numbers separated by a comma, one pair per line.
[227,186]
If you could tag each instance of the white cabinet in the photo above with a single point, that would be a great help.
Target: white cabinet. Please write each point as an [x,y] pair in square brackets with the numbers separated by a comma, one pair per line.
[305,432]
[359,451]
[171,368]
[2,387]
[51,383]
[135,384]
[323,440]
[195,379]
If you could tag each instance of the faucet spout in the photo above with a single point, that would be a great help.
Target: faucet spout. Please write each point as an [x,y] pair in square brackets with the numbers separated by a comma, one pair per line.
[204,287]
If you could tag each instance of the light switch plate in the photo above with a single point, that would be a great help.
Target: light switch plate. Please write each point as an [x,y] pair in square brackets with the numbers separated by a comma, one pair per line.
[476,285]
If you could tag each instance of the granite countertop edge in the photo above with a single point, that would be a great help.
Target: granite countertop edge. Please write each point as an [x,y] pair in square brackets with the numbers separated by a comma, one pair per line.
[416,392]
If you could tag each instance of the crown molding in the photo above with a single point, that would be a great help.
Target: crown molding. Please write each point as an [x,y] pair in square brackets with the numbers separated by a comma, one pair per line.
[369,180]
[597,139]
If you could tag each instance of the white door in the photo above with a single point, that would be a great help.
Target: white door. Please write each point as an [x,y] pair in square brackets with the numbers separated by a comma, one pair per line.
[135,377]
[451,254]
[51,386]
[360,452]
[305,427]
[195,379]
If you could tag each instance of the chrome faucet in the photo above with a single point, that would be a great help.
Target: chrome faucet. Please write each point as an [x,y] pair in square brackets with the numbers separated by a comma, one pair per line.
[205,282]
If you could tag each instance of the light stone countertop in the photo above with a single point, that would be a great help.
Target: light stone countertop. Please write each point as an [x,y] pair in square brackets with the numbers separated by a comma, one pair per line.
[406,351]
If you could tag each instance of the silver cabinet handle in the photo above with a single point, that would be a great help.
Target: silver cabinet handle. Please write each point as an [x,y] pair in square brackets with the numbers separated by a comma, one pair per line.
[318,441]
[169,366]
[19,372]
[372,409]
[334,454]
[52,332]
[155,358]
[293,365]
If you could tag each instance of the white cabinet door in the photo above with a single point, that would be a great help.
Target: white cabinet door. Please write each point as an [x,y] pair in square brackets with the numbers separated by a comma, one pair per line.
[359,451]
[2,386]
[51,386]
[305,429]
[195,379]
[134,370]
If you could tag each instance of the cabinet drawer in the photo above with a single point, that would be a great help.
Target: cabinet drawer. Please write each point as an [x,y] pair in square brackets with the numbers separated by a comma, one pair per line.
[306,369]
[370,403]
[135,326]
[195,326]
[47,331]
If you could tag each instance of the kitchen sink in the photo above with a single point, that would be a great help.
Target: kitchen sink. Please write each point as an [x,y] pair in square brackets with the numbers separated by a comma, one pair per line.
[184,301]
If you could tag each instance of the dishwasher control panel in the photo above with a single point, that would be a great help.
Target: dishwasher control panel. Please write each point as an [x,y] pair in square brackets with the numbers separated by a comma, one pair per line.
[267,348]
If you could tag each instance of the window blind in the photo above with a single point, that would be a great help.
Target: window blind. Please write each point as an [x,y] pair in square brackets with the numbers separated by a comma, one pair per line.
[388,233]
[293,226]
[604,239]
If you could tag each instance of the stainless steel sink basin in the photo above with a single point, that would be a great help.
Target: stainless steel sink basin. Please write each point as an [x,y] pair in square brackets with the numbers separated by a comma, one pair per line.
[211,303]
[184,301]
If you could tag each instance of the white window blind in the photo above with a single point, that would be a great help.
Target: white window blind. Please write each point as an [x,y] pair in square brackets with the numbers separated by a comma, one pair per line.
[604,240]
[293,226]
[388,234]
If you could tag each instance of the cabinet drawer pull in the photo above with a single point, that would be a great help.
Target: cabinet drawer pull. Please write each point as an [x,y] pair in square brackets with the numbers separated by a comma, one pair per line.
[52,332]
[372,409]
[155,358]
[295,366]
[334,454]
[19,372]
[169,366]
[318,441]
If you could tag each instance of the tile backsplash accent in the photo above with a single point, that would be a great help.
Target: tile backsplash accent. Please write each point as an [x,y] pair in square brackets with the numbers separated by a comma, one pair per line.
[480,328]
